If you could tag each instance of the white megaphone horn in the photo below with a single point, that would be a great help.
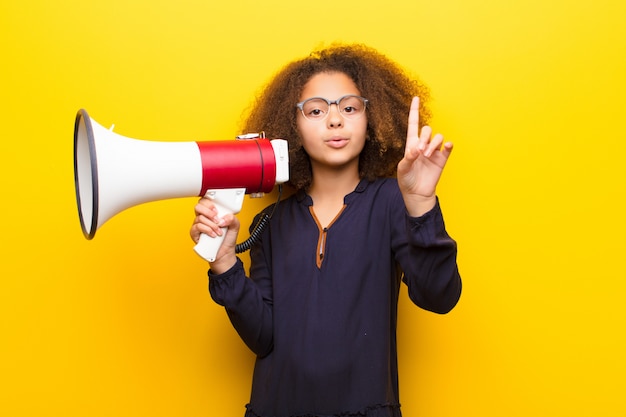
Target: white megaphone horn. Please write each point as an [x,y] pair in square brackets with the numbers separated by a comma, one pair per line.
[113,173]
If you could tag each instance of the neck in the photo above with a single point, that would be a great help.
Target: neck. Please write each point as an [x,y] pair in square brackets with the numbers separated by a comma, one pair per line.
[333,183]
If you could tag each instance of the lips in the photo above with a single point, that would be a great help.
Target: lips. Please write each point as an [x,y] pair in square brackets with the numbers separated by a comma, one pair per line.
[337,142]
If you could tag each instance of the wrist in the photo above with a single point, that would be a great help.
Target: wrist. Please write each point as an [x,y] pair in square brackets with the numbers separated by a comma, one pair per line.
[417,206]
[223,264]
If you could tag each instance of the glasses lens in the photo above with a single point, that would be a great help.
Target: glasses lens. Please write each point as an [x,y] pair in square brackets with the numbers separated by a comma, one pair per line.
[352,106]
[315,109]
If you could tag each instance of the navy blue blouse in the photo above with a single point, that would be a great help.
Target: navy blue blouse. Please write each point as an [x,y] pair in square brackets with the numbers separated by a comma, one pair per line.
[320,307]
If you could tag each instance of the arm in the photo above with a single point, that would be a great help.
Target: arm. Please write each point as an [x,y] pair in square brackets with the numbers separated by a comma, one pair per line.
[249,311]
[429,263]
[427,255]
[248,303]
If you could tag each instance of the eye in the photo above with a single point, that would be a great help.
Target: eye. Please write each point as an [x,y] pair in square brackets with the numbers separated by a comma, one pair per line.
[315,109]
[351,105]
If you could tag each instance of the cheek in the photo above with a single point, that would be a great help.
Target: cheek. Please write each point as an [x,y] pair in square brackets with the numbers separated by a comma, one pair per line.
[361,128]
[307,131]
[300,125]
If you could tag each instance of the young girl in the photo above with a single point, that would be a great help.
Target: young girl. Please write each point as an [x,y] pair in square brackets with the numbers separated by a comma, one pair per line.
[320,307]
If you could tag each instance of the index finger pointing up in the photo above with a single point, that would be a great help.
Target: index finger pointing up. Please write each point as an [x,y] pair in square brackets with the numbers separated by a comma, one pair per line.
[412,133]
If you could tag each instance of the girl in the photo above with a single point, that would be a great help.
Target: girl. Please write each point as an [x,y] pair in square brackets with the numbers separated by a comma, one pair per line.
[320,307]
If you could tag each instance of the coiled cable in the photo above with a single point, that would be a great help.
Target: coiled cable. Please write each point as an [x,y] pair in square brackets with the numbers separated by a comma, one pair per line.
[260,226]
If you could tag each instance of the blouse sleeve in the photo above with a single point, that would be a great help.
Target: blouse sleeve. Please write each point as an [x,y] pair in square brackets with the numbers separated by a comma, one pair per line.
[427,256]
[248,304]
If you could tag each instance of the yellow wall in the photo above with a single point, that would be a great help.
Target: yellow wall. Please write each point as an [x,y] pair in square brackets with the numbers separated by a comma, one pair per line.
[532,93]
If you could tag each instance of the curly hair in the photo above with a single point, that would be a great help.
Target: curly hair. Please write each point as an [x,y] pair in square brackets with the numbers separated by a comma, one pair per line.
[383,82]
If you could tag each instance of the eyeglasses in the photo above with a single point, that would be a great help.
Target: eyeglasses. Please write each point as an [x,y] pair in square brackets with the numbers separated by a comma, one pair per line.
[317,108]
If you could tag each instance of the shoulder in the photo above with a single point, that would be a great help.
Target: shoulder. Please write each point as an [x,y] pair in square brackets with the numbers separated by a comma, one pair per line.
[381,195]
[279,205]
[387,187]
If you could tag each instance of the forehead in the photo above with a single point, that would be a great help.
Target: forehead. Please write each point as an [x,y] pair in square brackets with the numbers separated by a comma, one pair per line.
[330,85]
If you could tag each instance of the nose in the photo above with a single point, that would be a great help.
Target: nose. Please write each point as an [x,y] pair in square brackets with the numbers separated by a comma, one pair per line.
[335,119]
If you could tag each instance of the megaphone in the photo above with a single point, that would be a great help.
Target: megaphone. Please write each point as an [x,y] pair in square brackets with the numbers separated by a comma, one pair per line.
[113,173]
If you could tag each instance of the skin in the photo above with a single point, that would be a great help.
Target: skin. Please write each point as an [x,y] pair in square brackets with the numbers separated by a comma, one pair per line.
[334,145]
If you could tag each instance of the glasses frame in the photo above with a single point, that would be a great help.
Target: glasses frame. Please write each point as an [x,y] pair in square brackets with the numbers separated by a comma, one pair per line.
[300,106]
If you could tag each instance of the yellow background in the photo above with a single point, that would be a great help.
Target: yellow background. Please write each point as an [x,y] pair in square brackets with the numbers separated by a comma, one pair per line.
[532,93]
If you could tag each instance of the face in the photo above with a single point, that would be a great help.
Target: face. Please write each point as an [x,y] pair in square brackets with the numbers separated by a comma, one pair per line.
[334,142]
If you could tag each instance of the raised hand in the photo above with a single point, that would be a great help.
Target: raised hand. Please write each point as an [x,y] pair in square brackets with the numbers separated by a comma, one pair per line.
[419,171]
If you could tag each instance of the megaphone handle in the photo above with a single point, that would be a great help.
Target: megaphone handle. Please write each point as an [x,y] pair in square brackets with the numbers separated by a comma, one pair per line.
[227,201]
[208,246]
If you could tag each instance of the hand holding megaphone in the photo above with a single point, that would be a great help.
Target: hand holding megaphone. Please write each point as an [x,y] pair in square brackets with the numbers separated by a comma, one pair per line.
[227,201]
[113,173]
